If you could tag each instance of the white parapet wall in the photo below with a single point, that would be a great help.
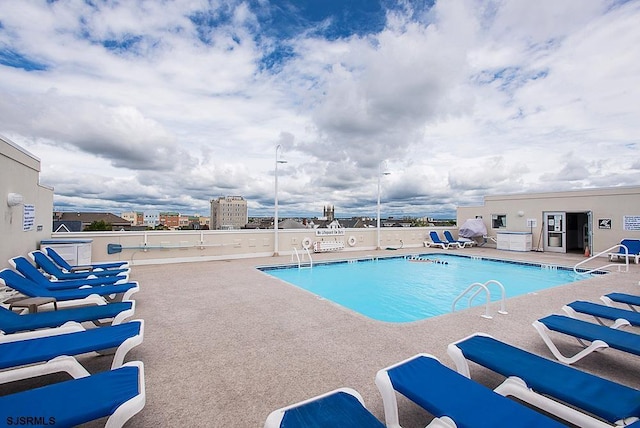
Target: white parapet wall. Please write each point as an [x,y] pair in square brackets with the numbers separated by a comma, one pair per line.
[154,247]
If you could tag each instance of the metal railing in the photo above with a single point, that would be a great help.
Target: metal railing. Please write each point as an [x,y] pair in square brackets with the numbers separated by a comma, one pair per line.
[301,260]
[479,287]
[608,250]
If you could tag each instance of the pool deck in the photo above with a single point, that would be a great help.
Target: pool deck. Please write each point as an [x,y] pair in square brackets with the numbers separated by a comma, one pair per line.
[225,344]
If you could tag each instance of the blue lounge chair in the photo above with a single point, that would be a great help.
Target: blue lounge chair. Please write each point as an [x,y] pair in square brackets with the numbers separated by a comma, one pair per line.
[45,263]
[108,293]
[631,300]
[117,394]
[621,317]
[601,337]
[60,261]
[571,394]
[339,408]
[436,241]
[11,322]
[24,266]
[452,398]
[631,250]
[29,356]
[460,243]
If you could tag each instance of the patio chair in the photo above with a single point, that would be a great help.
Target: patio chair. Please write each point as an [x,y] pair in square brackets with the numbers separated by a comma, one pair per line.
[28,270]
[452,398]
[117,394]
[24,355]
[630,250]
[631,300]
[99,315]
[459,242]
[621,317]
[107,293]
[60,261]
[45,263]
[436,241]
[601,337]
[339,408]
[573,395]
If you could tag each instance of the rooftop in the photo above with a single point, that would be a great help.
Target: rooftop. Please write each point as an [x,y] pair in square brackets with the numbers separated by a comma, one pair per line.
[225,344]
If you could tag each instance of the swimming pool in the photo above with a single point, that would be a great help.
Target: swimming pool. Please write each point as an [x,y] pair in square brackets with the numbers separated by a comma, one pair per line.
[397,289]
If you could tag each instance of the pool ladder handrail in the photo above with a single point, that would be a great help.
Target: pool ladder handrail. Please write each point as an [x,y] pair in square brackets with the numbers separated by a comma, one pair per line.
[484,287]
[300,261]
[608,250]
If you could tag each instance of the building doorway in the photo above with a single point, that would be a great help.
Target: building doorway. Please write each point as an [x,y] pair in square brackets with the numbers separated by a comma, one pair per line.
[567,232]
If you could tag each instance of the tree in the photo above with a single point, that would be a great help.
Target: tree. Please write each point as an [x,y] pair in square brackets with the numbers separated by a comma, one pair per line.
[98,225]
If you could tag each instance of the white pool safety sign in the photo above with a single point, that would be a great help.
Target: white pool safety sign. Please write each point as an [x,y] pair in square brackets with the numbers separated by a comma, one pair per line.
[631,222]
[29,217]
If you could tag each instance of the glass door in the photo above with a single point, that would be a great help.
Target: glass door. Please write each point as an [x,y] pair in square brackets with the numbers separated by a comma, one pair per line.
[555,232]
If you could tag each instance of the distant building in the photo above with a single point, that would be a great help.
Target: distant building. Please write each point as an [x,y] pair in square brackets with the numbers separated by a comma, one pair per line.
[135,217]
[170,220]
[151,219]
[229,212]
[79,221]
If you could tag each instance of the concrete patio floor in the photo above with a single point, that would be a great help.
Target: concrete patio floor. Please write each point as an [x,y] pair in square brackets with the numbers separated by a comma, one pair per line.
[225,344]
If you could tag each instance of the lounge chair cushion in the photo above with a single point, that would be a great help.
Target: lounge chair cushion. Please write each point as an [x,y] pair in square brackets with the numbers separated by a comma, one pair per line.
[629,299]
[36,350]
[11,322]
[444,392]
[60,261]
[335,410]
[602,397]
[29,271]
[45,263]
[618,339]
[73,402]
[29,288]
[607,312]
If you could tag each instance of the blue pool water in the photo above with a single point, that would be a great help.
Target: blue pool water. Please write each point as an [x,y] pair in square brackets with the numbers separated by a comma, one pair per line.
[399,290]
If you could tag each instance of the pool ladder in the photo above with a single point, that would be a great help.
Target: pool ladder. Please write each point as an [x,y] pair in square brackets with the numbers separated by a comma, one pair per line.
[301,261]
[478,287]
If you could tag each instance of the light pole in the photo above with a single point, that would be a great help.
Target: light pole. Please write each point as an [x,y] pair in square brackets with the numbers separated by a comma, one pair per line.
[275,217]
[380,174]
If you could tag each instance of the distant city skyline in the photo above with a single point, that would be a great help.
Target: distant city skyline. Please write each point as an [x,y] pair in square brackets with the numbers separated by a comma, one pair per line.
[166,105]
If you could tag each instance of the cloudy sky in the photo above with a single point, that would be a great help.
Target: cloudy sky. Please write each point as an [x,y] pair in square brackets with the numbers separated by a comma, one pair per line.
[164,105]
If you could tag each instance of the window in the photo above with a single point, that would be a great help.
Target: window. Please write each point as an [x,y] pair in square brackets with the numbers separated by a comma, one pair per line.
[498,221]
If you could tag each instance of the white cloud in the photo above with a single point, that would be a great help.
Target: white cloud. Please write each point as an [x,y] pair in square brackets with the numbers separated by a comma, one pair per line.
[140,105]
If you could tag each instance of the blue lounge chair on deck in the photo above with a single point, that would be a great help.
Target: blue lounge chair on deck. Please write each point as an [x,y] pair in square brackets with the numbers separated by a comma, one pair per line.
[460,243]
[631,300]
[600,336]
[436,241]
[339,408]
[632,250]
[452,398]
[11,322]
[24,266]
[45,263]
[60,261]
[108,293]
[118,394]
[621,317]
[22,355]
[571,394]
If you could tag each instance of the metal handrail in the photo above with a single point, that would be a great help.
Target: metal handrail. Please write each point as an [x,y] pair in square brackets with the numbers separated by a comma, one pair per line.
[626,264]
[481,287]
[295,252]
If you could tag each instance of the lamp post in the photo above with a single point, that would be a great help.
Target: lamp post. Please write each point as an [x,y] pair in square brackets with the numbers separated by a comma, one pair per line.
[275,217]
[380,174]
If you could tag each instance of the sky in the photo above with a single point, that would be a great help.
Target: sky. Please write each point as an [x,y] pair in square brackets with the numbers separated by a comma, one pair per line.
[150,105]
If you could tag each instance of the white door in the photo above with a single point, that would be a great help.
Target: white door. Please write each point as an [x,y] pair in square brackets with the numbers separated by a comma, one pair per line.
[555,235]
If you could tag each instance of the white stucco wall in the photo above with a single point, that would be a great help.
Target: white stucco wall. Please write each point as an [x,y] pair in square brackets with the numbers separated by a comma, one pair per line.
[19,173]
